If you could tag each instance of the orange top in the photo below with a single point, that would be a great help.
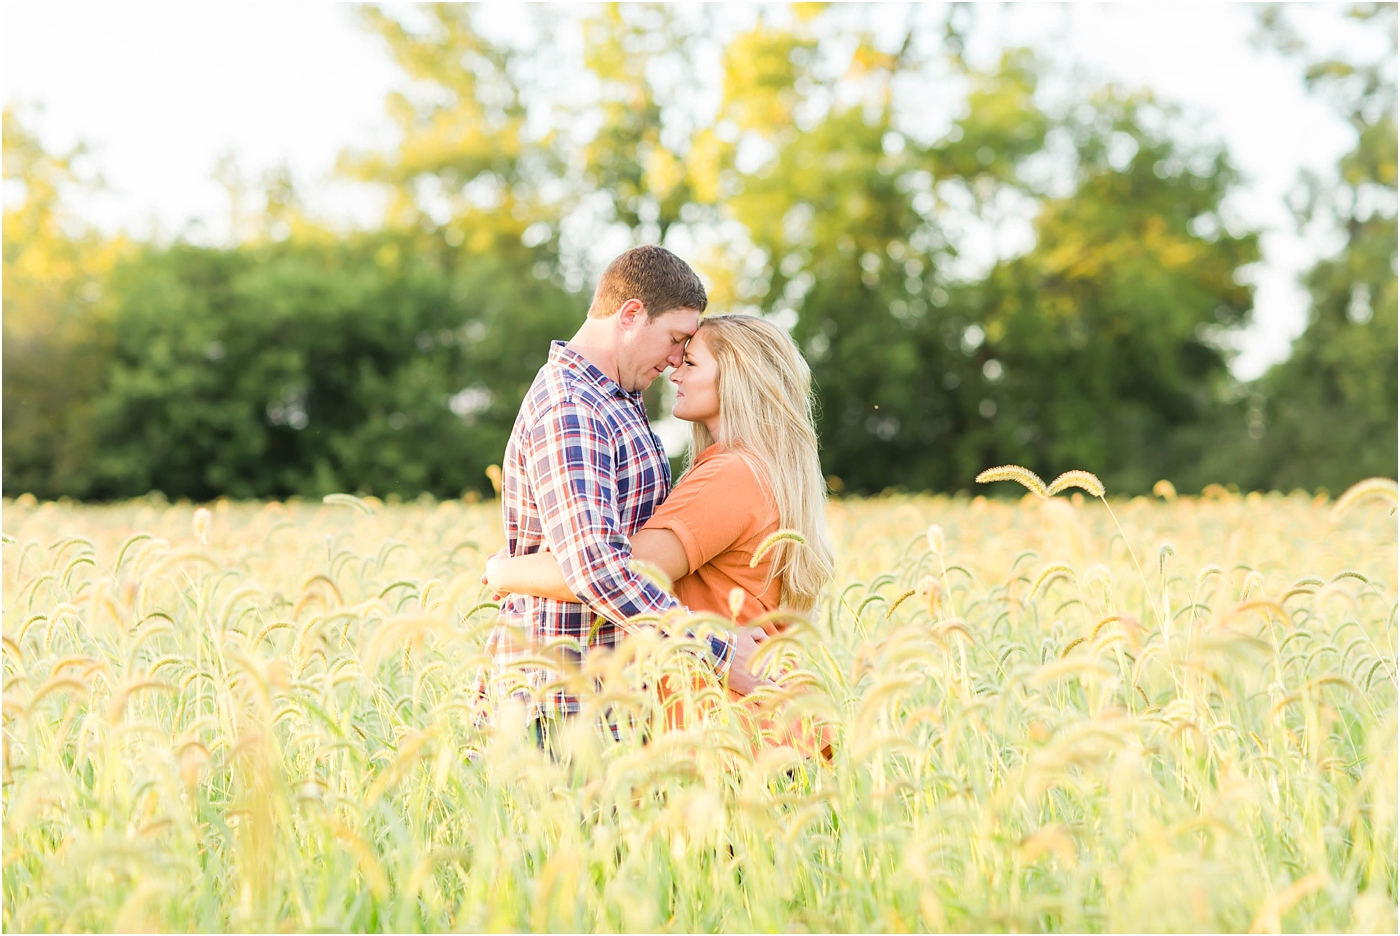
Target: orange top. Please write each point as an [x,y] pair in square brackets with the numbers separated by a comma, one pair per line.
[721,512]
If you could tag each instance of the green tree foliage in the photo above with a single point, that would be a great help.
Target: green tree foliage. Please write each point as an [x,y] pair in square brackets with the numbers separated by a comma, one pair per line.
[1099,344]
[806,183]
[372,363]
[462,163]
[300,361]
[1092,349]
[1327,415]
[56,336]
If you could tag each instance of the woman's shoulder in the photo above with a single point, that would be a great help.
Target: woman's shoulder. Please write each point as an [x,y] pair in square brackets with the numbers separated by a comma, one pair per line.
[720,511]
[724,467]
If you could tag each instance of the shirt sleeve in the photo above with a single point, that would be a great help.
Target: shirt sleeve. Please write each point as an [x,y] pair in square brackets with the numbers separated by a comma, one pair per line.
[711,509]
[570,468]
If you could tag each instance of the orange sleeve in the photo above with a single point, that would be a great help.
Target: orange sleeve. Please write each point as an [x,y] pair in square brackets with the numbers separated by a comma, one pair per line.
[712,508]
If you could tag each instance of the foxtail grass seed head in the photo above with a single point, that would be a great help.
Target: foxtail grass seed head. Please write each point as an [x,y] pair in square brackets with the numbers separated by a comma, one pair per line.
[903,597]
[652,573]
[1165,490]
[772,540]
[1086,482]
[201,521]
[1022,476]
[935,539]
[932,591]
[1049,574]
[1379,488]
[736,603]
[359,505]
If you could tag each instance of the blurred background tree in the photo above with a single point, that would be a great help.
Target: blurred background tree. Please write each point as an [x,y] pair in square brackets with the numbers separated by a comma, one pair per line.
[1328,414]
[1048,279]
[374,363]
[57,338]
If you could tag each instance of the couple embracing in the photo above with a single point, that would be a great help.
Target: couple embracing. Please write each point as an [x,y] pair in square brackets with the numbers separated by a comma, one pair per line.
[586,486]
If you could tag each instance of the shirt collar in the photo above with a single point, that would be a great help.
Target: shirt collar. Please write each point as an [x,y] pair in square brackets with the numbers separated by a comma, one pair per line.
[711,451]
[562,355]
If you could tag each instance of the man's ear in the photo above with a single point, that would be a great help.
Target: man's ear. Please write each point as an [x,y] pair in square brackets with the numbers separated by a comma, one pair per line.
[629,312]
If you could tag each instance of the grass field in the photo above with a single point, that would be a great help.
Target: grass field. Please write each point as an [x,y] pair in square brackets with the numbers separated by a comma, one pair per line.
[264,717]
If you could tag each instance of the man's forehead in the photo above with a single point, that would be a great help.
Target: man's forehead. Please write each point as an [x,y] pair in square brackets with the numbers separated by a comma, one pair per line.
[681,322]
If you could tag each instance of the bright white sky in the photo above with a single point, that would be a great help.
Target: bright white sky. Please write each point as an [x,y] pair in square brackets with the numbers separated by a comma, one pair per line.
[161,91]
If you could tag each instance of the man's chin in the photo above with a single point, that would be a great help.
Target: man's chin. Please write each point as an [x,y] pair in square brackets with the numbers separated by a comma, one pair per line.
[646,380]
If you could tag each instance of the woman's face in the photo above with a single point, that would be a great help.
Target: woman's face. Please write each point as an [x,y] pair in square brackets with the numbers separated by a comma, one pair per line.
[697,385]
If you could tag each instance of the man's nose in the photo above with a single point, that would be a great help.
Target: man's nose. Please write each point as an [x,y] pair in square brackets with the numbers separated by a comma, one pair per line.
[677,356]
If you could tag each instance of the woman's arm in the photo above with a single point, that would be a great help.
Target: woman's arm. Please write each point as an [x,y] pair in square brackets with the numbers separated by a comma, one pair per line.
[663,549]
[538,573]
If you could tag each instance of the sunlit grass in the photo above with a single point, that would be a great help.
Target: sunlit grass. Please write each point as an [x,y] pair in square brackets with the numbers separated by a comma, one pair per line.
[266,718]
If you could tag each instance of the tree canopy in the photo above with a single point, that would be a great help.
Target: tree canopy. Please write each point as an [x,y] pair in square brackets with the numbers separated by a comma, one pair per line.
[980,270]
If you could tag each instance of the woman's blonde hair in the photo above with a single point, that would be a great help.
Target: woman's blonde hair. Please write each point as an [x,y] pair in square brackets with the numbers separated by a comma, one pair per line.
[765,417]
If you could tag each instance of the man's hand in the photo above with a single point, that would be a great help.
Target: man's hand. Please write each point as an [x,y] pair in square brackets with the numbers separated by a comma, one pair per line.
[741,677]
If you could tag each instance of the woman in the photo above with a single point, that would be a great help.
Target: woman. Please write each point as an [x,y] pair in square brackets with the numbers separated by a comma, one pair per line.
[748,394]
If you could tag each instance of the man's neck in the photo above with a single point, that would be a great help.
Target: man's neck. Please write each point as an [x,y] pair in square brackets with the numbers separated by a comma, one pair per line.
[596,342]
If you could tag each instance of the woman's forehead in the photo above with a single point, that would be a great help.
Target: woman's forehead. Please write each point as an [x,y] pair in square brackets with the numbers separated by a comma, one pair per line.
[696,342]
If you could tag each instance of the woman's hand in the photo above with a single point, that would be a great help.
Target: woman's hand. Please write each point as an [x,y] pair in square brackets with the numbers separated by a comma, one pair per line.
[491,578]
[741,677]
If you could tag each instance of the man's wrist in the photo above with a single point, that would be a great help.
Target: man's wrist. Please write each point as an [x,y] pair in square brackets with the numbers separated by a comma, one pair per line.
[722,649]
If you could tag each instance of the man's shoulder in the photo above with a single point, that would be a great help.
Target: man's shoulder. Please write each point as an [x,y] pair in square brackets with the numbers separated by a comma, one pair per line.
[558,389]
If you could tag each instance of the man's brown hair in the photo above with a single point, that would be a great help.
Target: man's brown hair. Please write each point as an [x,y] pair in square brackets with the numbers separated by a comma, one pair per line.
[660,279]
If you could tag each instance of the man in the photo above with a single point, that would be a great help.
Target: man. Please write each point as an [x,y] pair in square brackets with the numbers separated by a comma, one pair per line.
[583,472]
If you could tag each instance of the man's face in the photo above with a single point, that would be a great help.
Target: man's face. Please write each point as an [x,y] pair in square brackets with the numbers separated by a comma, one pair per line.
[649,346]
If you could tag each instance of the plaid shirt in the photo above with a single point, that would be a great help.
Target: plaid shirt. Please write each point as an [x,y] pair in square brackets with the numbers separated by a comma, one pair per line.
[582,472]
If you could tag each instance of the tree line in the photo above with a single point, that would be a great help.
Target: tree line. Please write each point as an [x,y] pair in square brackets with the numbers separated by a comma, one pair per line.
[815,185]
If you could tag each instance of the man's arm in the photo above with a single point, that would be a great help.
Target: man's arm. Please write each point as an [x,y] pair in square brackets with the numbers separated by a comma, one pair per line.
[569,466]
